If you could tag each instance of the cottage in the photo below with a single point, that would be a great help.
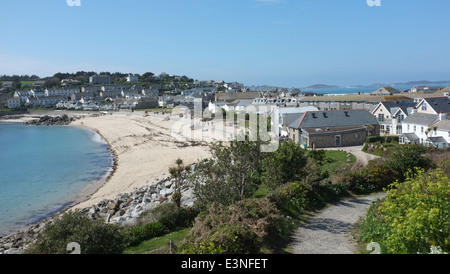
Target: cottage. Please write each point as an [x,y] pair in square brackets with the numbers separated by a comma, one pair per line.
[415,127]
[14,102]
[230,97]
[385,91]
[100,80]
[339,128]
[390,115]
[440,134]
[434,105]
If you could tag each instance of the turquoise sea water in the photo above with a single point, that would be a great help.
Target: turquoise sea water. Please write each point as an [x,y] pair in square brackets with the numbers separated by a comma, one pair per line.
[43,169]
[366,90]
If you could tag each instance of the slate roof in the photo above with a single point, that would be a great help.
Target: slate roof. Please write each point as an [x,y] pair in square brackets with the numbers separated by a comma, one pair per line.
[438,139]
[439,104]
[443,125]
[411,136]
[336,118]
[421,119]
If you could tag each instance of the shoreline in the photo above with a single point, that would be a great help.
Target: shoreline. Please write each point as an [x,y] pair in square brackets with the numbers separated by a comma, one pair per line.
[95,186]
[142,151]
[83,196]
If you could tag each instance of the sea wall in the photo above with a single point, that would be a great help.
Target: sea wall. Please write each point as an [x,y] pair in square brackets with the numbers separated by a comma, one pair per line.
[124,210]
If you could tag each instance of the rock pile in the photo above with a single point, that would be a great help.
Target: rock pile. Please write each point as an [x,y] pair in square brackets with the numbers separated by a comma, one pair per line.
[46,120]
[124,210]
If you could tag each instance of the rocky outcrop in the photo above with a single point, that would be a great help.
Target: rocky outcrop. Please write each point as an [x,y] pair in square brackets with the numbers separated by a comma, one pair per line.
[47,120]
[124,210]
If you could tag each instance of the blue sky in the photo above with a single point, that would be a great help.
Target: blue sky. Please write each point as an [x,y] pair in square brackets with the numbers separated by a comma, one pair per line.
[289,43]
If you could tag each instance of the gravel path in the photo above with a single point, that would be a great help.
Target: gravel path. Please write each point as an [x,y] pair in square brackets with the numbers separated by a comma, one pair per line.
[328,232]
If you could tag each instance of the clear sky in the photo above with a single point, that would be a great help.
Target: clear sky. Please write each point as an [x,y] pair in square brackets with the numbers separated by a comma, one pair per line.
[289,43]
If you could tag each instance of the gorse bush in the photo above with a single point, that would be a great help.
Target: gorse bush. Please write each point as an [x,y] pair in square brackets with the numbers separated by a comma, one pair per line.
[93,236]
[414,217]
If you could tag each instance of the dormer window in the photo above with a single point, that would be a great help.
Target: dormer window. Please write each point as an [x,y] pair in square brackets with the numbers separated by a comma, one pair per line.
[424,106]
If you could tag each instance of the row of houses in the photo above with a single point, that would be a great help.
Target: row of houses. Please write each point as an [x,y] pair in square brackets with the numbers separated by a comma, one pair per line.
[74,97]
[311,122]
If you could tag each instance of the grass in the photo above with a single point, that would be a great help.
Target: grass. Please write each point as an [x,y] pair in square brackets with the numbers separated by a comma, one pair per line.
[159,245]
[338,161]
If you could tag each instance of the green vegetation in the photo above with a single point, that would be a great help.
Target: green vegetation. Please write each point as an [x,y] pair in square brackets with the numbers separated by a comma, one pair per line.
[382,172]
[94,237]
[247,204]
[414,217]
[377,145]
[160,245]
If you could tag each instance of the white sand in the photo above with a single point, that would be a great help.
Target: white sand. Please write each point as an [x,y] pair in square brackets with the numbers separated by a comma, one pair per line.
[144,150]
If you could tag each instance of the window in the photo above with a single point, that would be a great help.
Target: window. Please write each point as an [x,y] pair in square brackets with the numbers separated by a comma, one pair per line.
[415,128]
[424,106]
[380,117]
[338,140]
[400,118]
[421,129]
[408,127]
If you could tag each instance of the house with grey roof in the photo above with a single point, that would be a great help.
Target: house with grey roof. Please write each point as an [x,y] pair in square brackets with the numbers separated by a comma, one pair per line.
[440,134]
[385,91]
[434,105]
[425,89]
[390,115]
[417,128]
[322,129]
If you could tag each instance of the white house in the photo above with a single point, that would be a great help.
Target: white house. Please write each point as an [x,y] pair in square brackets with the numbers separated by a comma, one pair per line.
[132,78]
[13,103]
[67,92]
[390,115]
[424,128]
[100,80]
[441,137]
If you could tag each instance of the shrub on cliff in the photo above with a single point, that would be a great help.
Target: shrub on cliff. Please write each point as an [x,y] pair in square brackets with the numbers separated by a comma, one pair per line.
[240,228]
[93,236]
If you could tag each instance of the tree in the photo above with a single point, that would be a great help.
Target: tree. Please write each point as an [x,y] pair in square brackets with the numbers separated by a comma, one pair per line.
[287,164]
[179,173]
[230,175]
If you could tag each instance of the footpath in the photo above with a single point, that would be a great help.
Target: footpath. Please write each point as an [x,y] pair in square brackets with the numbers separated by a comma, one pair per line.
[328,232]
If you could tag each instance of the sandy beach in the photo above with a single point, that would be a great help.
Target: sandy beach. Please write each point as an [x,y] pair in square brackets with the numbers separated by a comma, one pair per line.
[144,150]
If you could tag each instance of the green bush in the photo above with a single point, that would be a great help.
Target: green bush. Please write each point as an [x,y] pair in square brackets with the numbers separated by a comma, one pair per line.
[293,198]
[140,233]
[374,177]
[414,217]
[93,236]
[329,193]
[240,228]
[169,215]
[373,228]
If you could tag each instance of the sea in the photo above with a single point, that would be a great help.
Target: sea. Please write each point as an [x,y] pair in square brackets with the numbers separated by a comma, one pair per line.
[364,89]
[45,169]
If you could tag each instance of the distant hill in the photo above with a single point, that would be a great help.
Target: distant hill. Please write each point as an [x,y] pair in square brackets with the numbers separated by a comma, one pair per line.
[423,82]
